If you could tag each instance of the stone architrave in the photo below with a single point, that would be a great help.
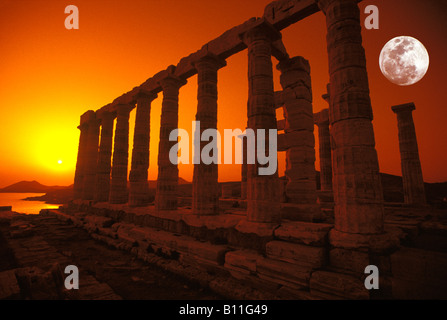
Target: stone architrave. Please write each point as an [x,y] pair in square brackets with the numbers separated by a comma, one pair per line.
[263,192]
[357,185]
[138,183]
[118,184]
[205,186]
[413,182]
[167,181]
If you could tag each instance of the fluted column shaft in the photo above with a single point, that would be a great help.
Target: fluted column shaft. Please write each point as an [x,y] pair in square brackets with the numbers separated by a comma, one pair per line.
[299,131]
[167,181]
[91,160]
[102,187]
[205,186]
[324,136]
[356,181]
[118,184]
[139,188]
[413,182]
[263,198]
[80,163]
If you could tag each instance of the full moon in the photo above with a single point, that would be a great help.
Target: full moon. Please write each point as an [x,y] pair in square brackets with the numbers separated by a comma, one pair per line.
[404,60]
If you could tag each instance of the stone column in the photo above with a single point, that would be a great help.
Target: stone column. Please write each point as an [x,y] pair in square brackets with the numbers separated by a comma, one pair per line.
[102,187]
[80,163]
[118,184]
[139,187]
[414,191]
[263,198]
[356,180]
[322,121]
[295,79]
[205,187]
[91,160]
[167,181]
[244,170]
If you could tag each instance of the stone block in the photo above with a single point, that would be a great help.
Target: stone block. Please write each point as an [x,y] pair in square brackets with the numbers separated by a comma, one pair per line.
[314,234]
[338,284]
[284,273]
[9,287]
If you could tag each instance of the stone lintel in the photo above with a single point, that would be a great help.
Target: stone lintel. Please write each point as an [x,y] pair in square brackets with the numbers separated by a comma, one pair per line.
[321,117]
[283,13]
[404,107]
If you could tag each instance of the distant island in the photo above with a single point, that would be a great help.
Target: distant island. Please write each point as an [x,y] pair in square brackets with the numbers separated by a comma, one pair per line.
[392,190]
[30,187]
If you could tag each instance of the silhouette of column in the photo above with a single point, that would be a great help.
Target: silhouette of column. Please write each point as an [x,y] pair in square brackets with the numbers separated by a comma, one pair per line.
[167,181]
[118,184]
[295,79]
[263,198]
[102,187]
[322,121]
[78,184]
[139,188]
[91,159]
[205,187]
[414,191]
[244,169]
[356,180]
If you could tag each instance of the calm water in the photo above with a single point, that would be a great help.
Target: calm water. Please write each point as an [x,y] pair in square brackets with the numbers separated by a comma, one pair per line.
[19,205]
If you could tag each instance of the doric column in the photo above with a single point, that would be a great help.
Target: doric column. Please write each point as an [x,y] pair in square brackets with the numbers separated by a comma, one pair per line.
[244,170]
[299,131]
[102,187]
[263,198]
[414,191]
[139,188]
[118,184]
[82,155]
[91,159]
[167,181]
[356,181]
[205,187]
[322,121]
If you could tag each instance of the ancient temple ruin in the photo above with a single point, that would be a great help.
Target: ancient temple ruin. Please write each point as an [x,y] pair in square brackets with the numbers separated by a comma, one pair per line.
[288,239]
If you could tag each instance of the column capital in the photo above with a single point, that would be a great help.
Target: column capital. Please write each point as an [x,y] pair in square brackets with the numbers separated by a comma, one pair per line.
[209,58]
[261,29]
[322,117]
[144,94]
[171,80]
[124,109]
[404,107]
[294,63]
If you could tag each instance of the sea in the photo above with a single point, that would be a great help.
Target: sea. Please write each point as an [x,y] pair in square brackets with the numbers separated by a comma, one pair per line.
[19,205]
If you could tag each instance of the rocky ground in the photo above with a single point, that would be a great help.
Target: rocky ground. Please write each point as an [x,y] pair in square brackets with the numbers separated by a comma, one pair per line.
[35,249]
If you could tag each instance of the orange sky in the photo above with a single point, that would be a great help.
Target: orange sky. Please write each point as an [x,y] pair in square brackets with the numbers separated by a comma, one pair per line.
[49,75]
